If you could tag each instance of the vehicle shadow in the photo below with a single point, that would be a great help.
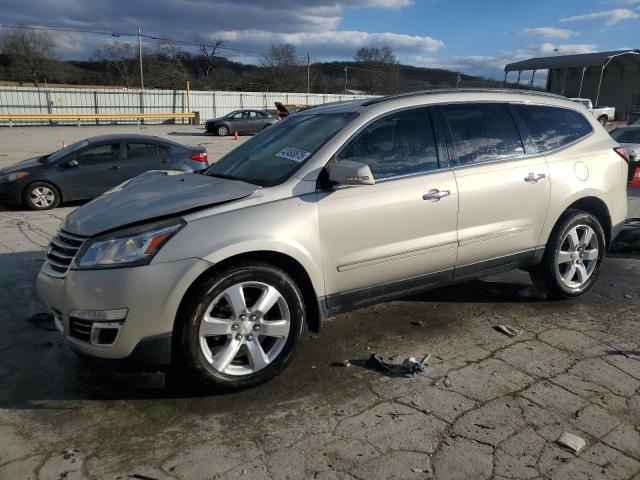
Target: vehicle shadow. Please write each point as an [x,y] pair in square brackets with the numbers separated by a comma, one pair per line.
[190,134]
[39,370]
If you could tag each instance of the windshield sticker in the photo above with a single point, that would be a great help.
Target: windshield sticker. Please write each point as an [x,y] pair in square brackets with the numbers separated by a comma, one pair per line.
[293,154]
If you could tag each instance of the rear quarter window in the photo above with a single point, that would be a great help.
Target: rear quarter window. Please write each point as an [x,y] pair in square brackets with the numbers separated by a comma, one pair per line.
[553,127]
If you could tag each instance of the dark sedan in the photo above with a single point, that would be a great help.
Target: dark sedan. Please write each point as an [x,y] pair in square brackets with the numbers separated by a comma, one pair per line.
[241,121]
[90,167]
[629,138]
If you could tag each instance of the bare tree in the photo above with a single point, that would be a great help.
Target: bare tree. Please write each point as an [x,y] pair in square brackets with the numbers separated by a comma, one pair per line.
[207,52]
[175,54]
[120,56]
[378,65]
[283,65]
[171,67]
[29,52]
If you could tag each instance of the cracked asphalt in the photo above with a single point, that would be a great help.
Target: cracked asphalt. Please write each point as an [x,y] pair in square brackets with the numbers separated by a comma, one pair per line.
[488,407]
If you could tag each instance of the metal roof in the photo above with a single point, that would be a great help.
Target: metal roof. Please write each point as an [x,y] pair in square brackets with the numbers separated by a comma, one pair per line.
[568,61]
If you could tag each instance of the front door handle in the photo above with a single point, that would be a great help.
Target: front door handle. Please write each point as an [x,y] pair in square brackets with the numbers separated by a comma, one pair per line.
[534,177]
[113,168]
[435,194]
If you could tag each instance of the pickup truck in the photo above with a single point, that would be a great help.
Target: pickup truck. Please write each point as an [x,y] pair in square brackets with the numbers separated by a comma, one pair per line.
[603,114]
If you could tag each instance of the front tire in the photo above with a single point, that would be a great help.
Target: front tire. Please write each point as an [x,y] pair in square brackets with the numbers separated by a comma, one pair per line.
[222,131]
[573,256]
[603,119]
[41,196]
[240,327]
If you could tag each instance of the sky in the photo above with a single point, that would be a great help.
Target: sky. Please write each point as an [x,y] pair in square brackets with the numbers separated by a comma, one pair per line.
[475,37]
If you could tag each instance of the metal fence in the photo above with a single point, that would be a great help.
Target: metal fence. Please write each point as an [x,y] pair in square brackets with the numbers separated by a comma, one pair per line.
[209,104]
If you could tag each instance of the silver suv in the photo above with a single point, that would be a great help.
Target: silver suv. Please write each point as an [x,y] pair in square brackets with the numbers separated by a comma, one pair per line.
[334,208]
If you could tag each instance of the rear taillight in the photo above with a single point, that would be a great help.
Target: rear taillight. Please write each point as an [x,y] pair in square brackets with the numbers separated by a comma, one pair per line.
[199,157]
[623,153]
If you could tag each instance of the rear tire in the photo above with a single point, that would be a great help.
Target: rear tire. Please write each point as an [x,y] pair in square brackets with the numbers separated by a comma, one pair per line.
[603,119]
[41,196]
[240,327]
[222,131]
[573,256]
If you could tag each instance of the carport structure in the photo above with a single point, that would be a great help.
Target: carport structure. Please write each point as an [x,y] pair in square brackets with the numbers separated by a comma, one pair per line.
[607,78]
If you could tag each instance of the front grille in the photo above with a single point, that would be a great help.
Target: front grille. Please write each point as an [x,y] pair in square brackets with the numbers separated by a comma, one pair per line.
[80,329]
[62,249]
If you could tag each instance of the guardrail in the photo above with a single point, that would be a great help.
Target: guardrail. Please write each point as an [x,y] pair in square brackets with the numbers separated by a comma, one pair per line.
[96,116]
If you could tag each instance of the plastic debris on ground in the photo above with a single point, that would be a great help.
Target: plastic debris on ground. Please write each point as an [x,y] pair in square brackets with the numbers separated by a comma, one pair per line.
[571,441]
[409,366]
[508,330]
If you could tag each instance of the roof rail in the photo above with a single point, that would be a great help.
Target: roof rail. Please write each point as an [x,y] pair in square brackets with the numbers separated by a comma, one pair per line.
[374,101]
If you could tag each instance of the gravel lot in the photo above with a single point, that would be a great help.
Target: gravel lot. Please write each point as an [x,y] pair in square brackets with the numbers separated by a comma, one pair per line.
[489,406]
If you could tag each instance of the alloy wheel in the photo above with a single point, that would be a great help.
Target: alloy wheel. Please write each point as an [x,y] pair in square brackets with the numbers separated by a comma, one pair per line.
[578,256]
[244,328]
[42,197]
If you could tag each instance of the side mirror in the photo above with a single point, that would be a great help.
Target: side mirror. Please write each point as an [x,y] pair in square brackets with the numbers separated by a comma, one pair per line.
[347,172]
[72,163]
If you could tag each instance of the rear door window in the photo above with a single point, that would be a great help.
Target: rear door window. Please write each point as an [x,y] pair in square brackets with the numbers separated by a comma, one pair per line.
[398,144]
[482,132]
[137,151]
[553,127]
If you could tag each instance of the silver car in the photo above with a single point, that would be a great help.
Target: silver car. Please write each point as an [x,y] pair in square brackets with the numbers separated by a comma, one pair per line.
[335,208]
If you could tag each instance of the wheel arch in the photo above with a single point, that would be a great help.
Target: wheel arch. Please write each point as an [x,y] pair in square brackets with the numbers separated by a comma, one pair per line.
[42,180]
[222,124]
[292,266]
[597,208]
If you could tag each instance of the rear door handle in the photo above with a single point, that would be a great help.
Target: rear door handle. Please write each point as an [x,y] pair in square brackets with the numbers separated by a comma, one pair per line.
[113,168]
[534,177]
[435,194]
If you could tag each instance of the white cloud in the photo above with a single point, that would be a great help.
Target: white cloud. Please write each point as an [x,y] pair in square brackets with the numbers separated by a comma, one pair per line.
[547,32]
[393,4]
[341,41]
[610,17]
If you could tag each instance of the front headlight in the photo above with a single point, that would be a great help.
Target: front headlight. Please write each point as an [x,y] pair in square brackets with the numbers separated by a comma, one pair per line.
[127,248]
[12,177]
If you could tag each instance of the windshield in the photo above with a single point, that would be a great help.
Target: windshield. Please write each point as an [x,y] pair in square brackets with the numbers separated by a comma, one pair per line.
[63,152]
[275,154]
[626,135]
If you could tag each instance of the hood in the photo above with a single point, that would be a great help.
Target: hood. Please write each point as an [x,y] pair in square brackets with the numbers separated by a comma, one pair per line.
[23,165]
[214,120]
[152,195]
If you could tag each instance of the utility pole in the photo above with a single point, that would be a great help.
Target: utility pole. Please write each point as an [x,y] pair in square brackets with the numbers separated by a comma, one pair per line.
[140,57]
[345,78]
[308,73]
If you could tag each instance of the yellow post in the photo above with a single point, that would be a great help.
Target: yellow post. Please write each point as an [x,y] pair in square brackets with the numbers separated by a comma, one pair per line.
[188,99]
